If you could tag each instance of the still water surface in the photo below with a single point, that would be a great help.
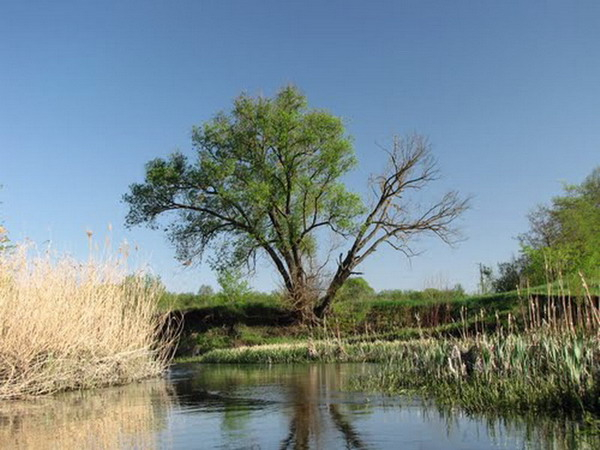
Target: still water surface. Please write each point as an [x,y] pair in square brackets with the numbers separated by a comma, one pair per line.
[260,407]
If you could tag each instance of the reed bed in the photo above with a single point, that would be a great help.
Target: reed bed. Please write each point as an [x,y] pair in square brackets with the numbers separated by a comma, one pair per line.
[514,372]
[70,325]
[518,372]
[546,359]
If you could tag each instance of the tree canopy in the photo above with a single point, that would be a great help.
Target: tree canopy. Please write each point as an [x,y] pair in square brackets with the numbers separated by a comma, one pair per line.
[563,239]
[266,179]
[565,235]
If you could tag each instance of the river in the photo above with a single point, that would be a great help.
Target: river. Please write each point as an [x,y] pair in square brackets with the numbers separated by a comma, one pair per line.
[265,407]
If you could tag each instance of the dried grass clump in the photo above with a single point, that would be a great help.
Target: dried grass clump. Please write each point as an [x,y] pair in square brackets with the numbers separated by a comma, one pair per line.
[70,325]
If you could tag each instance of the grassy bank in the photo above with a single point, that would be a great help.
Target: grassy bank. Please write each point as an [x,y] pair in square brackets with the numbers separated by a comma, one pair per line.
[70,325]
[255,321]
[548,359]
[533,371]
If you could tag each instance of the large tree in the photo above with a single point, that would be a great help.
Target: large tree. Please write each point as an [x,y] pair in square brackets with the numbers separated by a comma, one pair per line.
[266,179]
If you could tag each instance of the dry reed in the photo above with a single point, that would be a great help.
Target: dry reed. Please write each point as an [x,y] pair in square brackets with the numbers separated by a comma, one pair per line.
[70,325]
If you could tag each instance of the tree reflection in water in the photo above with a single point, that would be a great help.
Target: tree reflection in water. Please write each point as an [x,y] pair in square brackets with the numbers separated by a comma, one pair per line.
[305,393]
[309,416]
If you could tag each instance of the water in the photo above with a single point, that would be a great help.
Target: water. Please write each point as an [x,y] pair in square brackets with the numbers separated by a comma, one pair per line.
[258,407]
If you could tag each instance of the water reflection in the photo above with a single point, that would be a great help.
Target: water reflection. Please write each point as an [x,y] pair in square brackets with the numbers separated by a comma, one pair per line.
[286,407]
[309,419]
[121,417]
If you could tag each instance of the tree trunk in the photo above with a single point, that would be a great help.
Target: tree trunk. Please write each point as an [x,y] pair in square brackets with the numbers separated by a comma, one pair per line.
[323,305]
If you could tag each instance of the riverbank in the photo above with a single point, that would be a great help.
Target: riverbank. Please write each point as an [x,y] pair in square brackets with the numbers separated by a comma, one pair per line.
[533,371]
[504,352]
[263,319]
[267,321]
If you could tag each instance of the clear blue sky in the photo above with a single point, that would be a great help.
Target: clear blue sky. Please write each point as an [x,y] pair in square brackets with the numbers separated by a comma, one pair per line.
[508,92]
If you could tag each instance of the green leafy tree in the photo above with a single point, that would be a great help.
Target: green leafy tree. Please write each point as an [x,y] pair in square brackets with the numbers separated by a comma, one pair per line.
[511,274]
[355,289]
[564,237]
[266,179]
[234,288]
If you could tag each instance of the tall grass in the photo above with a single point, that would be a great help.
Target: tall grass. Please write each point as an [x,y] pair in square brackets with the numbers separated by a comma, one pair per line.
[70,325]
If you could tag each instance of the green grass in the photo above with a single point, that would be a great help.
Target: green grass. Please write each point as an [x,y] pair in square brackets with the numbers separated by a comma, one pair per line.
[300,352]
[391,315]
[184,301]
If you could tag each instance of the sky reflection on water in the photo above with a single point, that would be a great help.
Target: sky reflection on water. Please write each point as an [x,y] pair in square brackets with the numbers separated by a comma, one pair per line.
[260,407]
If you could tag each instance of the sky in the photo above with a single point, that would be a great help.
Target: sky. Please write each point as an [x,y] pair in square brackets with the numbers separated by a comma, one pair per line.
[507,92]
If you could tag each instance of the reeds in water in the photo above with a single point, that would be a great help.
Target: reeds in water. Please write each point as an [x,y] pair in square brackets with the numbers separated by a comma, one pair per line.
[71,325]
[546,359]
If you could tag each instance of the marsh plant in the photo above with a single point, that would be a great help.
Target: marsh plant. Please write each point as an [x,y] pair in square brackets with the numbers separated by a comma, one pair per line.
[68,325]
[547,358]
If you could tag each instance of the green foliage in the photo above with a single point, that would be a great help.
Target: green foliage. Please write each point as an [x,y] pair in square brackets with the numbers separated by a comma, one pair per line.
[510,274]
[267,161]
[266,180]
[205,291]
[564,237]
[178,302]
[355,290]
[425,296]
[234,288]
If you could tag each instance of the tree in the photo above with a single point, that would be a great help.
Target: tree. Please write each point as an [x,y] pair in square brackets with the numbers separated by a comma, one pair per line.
[355,289]
[511,274]
[486,276]
[564,236]
[234,288]
[206,291]
[266,180]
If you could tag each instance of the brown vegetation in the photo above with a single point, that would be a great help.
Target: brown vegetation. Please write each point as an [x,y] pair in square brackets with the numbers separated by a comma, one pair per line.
[70,325]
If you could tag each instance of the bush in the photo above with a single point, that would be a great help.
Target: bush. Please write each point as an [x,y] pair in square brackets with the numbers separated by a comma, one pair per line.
[355,289]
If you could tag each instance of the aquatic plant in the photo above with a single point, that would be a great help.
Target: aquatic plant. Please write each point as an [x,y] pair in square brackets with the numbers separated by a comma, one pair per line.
[66,325]
[548,358]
